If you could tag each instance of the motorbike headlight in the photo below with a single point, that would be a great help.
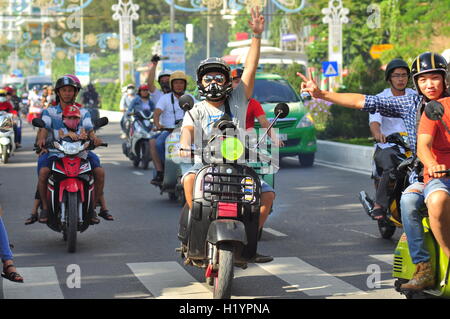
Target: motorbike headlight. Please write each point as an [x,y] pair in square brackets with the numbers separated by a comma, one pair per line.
[72,148]
[306,121]
[232,148]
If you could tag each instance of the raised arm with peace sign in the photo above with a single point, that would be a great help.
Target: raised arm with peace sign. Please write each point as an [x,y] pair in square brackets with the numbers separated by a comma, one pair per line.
[350,100]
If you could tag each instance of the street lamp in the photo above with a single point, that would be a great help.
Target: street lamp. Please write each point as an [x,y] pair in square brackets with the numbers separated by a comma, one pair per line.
[210,4]
[335,16]
[125,13]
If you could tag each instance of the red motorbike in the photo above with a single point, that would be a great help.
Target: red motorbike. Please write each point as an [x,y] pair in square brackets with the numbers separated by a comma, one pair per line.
[70,187]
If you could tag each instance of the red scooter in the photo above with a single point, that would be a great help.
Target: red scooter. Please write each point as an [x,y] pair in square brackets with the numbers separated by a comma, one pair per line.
[70,187]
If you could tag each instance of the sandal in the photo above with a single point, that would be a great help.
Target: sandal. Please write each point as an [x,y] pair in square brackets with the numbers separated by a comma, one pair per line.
[94,220]
[33,218]
[104,214]
[12,276]
[377,213]
[43,217]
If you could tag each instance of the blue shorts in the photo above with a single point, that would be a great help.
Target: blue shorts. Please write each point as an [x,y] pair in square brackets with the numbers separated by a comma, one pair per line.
[437,184]
[197,166]
[46,160]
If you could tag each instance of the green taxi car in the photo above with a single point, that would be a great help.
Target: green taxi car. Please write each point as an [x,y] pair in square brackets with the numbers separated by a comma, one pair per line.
[296,130]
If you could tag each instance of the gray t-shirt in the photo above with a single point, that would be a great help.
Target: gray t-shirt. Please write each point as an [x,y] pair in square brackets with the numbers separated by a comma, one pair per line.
[206,115]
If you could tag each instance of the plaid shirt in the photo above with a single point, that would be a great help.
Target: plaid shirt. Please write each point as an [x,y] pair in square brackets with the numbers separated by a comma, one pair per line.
[405,107]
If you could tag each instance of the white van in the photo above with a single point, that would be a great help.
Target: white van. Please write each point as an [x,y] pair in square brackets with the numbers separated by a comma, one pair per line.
[38,81]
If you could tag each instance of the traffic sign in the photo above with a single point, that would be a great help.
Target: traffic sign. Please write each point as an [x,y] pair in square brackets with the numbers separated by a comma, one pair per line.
[330,68]
[377,49]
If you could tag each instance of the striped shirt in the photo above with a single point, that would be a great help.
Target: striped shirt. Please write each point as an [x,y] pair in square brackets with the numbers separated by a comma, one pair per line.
[405,107]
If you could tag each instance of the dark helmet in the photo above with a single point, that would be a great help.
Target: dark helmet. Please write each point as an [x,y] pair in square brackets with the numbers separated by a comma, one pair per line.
[428,62]
[68,80]
[394,64]
[214,92]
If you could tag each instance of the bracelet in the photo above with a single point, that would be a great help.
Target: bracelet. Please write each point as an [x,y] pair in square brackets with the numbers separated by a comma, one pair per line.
[257,36]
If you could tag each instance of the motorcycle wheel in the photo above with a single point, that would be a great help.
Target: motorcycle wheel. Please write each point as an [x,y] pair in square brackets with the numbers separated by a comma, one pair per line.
[72,222]
[224,279]
[5,155]
[386,229]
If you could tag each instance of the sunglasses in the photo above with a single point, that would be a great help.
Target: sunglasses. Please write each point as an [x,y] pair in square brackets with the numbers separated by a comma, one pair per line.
[219,78]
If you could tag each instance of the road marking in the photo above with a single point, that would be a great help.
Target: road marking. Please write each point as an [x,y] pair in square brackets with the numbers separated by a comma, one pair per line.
[115,163]
[138,173]
[308,279]
[274,232]
[386,258]
[169,280]
[39,283]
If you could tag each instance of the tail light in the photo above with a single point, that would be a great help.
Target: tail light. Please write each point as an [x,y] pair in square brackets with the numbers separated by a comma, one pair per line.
[227,209]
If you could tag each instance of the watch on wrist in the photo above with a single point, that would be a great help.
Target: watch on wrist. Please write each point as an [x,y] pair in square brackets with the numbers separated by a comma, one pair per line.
[257,36]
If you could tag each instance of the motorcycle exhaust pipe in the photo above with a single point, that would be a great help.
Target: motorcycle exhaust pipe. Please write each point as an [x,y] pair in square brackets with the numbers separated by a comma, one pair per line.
[366,202]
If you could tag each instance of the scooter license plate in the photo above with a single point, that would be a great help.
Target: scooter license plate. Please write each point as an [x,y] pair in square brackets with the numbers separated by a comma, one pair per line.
[283,137]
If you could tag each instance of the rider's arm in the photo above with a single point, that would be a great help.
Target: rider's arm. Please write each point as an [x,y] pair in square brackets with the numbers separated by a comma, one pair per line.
[426,134]
[186,140]
[156,116]
[151,76]
[375,129]
[251,63]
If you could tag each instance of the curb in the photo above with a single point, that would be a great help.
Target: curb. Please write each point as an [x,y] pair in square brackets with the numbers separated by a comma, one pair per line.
[339,155]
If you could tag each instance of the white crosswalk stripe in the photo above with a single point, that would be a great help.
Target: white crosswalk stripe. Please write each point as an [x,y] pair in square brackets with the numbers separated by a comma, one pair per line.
[39,283]
[308,279]
[170,280]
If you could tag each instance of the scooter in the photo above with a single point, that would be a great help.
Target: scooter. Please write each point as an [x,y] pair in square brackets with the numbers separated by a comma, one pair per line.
[399,181]
[403,267]
[70,188]
[136,147]
[171,183]
[221,230]
[7,144]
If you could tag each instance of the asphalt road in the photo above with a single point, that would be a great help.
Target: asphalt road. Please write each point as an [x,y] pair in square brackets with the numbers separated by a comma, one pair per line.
[324,245]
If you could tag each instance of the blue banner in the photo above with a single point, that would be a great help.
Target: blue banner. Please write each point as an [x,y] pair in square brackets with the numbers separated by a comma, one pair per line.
[82,67]
[172,47]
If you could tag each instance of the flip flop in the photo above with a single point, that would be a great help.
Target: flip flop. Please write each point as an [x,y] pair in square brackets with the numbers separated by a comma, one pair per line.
[33,218]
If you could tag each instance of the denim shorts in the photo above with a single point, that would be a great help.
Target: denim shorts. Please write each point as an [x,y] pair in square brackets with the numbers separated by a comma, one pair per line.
[197,166]
[437,184]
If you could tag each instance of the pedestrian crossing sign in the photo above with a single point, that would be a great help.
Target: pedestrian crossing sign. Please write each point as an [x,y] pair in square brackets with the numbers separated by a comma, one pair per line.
[330,68]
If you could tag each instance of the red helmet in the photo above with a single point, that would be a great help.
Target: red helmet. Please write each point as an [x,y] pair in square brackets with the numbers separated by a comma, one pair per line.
[71,110]
[144,87]
[9,90]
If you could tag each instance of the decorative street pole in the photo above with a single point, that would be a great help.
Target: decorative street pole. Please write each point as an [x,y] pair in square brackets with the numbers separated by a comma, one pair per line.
[47,49]
[125,13]
[335,16]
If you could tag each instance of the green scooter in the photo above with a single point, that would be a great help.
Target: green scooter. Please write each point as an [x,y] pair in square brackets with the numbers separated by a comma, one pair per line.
[403,267]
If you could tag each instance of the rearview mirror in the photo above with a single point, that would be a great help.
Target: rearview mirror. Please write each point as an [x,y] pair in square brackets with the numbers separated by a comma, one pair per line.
[186,102]
[434,110]
[282,109]
[100,122]
[37,122]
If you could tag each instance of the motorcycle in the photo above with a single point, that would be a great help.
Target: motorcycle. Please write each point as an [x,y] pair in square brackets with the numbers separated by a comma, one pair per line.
[70,187]
[137,147]
[403,267]
[399,180]
[93,110]
[221,230]
[7,144]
